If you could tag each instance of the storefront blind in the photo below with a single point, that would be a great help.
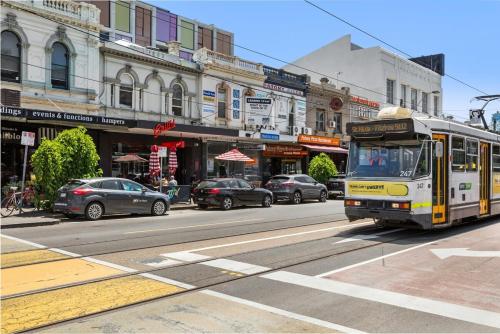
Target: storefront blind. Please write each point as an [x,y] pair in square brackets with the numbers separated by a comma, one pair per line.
[187,35]
[122,16]
[11,97]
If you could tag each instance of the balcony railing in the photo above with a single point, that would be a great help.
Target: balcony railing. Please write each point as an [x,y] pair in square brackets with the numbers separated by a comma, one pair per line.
[84,12]
[207,56]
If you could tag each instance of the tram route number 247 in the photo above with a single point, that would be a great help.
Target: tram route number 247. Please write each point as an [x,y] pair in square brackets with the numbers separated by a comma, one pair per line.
[405,173]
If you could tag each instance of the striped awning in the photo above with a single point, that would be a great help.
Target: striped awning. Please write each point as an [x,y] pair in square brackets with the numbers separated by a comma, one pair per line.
[331,149]
[234,155]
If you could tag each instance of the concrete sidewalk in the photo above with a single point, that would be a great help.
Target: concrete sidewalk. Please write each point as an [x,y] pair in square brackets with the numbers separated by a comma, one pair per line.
[32,217]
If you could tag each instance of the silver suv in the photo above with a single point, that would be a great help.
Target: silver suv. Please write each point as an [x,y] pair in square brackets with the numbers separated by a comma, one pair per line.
[296,188]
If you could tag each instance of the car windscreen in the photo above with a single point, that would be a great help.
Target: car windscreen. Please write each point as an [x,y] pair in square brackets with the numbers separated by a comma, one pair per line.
[279,179]
[73,184]
[209,184]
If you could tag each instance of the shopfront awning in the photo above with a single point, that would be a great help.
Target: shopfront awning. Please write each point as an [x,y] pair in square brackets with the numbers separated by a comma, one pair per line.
[331,149]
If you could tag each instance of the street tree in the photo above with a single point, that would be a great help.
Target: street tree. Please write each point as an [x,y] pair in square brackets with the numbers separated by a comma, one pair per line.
[321,168]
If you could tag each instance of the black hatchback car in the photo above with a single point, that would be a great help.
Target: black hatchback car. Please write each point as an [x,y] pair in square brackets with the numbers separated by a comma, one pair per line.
[96,197]
[336,186]
[296,188]
[227,193]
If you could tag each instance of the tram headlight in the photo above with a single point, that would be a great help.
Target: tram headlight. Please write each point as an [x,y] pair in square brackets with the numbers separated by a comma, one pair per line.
[401,205]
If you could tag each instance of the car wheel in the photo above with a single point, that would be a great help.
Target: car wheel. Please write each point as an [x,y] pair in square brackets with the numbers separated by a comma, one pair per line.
[203,206]
[267,201]
[297,197]
[159,208]
[322,196]
[94,211]
[227,203]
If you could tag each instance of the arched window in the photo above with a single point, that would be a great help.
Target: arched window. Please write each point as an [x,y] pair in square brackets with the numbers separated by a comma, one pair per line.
[177,97]
[60,66]
[11,57]
[126,90]
[221,101]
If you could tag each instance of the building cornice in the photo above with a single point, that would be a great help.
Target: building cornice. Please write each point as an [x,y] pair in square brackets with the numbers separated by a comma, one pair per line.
[254,77]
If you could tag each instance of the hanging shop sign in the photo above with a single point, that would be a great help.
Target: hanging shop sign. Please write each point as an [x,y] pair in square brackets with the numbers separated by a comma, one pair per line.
[174,144]
[284,151]
[163,127]
[12,111]
[366,102]
[283,89]
[318,140]
[269,136]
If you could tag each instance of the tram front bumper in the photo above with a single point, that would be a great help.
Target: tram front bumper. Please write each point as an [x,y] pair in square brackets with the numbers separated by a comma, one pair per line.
[391,217]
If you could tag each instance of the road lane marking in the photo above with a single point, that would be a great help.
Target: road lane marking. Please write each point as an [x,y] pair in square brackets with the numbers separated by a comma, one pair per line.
[328,273]
[190,254]
[51,274]
[168,281]
[109,264]
[367,236]
[444,253]
[235,266]
[23,241]
[193,226]
[281,312]
[448,310]
[30,257]
[163,263]
[40,309]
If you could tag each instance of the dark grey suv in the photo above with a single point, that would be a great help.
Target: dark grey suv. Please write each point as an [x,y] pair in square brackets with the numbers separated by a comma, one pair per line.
[96,197]
[296,188]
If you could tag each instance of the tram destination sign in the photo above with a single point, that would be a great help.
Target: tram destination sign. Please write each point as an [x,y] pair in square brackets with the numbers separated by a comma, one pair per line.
[380,127]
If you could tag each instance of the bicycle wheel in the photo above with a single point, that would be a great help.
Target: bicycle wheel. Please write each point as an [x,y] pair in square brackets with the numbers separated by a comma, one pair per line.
[8,206]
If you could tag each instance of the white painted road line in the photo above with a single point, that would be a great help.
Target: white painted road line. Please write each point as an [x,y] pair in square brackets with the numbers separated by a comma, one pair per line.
[240,267]
[22,241]
[168,281]
[367,236]
[444,253]
[448,310]
[281,312]
[164,263]
[186,256]
[378,258]
[194,226]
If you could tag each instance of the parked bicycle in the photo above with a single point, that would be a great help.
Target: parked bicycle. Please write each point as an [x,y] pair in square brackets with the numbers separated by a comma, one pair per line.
[16,200]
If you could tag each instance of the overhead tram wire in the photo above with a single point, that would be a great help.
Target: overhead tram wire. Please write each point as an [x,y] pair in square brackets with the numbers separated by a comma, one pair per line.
[214,76]
[386,43]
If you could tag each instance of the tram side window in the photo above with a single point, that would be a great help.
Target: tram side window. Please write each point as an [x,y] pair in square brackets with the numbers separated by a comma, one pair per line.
[423,166]
[496,158]
[458,154]
[472,149]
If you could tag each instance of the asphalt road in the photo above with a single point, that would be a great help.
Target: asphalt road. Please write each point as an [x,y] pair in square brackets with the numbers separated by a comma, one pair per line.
[288,268]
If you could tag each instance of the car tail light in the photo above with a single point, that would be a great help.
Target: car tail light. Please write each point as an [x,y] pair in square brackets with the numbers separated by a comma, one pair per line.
[351,202]
[287,184]
[82,191]
[401,205]
[214,191]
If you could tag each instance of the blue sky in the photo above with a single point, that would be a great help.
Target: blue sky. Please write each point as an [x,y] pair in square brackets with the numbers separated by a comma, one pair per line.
[466,31]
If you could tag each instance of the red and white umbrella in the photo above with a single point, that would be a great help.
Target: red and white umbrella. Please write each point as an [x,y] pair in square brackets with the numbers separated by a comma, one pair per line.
[172,162]
[234,155]
[154,161]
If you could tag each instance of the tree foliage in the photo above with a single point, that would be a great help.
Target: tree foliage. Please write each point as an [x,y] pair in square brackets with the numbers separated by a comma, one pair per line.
[322,168]
[72,154]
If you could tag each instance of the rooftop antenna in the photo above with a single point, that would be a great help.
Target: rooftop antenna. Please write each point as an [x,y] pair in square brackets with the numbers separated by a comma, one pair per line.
[480,112]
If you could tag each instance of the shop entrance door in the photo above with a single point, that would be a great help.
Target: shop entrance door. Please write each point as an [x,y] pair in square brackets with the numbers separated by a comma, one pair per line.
[439,178]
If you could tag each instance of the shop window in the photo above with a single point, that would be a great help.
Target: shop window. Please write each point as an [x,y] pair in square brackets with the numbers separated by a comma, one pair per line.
[390,91]
[177,97]
[11,57]
[337,117]
[187,35]
[11,97]
[221,102]
[320,120]
[205,38]
[402,101]
[436,105]
[496,158]
[60,66]
[413,99]
[472,152]
[458,154]
[425,102]
[122,16]
[166,26]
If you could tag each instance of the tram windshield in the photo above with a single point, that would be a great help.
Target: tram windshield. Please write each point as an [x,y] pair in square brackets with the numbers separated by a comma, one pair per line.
[389,159]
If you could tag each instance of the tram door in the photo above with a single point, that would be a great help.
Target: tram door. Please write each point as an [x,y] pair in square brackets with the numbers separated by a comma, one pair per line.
[484,179]
[439,178]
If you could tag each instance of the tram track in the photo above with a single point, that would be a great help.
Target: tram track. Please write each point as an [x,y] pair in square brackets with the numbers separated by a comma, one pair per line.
[58,248]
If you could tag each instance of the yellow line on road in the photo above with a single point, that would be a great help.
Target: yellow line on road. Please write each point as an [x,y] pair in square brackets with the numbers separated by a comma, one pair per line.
[29,257]
[27,312]
[51,274]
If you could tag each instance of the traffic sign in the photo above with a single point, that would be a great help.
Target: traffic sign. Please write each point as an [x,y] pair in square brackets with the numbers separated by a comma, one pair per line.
[162,152]
[28,138]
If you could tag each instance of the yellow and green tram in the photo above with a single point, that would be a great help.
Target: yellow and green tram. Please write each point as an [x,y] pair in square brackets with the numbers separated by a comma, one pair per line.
[422,172]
